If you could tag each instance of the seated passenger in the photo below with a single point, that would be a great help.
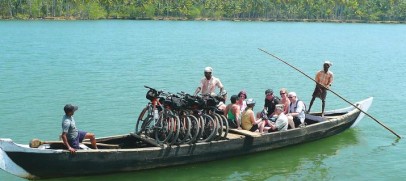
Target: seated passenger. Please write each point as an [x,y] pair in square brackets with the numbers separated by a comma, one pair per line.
[248,120]
[281,123]
[232,113]
[296,115]
[242,95]
[270,101]
[284,100]
[221,106]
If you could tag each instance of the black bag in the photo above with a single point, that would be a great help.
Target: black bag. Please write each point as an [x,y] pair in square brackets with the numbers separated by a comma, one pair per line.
[151,94]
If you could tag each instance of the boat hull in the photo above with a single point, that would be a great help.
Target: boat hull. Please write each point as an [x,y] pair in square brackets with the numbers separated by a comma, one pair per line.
[50,163]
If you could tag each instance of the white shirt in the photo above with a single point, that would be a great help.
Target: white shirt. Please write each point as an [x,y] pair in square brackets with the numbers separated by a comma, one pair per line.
[299,109]
[208,86]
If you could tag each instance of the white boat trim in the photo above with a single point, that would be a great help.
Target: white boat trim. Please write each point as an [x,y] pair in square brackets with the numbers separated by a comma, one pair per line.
[7,164]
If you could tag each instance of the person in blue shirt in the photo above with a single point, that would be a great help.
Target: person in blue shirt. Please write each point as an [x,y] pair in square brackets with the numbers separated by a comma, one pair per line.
[71,136]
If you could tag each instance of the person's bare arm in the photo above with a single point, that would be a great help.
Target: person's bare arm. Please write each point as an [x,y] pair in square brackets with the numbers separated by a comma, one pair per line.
[66,143]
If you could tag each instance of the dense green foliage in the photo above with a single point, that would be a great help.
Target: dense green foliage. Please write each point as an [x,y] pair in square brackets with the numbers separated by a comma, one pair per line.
[312,10]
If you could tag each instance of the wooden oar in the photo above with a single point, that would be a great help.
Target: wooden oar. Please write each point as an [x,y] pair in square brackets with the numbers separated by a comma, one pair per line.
[331,91]
[35,143]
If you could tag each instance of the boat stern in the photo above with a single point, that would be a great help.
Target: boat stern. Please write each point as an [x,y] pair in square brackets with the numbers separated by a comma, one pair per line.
[7,164]
[364,106]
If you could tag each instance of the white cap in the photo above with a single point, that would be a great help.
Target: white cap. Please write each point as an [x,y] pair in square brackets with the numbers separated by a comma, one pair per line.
[208,69]
[328,62]
[292,94]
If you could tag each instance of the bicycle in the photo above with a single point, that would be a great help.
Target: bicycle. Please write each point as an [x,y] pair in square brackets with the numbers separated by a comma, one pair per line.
[176,104]
[155,120]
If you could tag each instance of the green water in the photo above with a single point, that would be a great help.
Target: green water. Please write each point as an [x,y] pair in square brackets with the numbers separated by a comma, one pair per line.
[102,66]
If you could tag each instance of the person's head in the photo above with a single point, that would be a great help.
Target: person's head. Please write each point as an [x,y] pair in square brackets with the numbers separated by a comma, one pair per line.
[292,96]
[326,65]
[283,92]
[234,99]
[279,108]
[250,103]
[242,95]
[70,109]
[269,94]
[208,72]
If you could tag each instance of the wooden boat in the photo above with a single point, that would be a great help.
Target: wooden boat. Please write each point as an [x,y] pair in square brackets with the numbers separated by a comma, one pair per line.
[131,152]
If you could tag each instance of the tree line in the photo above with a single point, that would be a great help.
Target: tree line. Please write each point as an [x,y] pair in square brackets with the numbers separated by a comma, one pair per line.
[276,10]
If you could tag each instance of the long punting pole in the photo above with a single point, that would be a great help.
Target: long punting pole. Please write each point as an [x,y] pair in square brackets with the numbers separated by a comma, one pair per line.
[331,92]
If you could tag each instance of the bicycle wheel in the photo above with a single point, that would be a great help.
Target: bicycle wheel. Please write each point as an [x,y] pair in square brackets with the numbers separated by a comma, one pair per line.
[163,129]
[139,127]
[210,128]
[201,124]
[175,127]
[225,125]
[194,129]
[219,123]
[184,129]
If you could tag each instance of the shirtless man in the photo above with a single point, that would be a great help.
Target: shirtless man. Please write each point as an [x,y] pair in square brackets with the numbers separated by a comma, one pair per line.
[324,79]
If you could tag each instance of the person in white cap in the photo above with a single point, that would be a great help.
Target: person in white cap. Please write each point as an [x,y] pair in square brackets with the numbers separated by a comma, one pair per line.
[324,79]
[209,83]
[297,108]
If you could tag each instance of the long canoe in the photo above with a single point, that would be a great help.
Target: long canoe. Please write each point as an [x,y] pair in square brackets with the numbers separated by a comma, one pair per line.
[131,152]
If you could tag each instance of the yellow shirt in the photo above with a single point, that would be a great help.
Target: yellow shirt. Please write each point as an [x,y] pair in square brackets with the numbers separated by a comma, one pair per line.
[246,123]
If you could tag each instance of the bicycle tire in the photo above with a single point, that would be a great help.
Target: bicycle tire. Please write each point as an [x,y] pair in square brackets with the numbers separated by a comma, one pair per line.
[194,129]
[201,127]
[225,125]
[184,129]
[163,129]
[210,127]
[140,121]
[175,126]
[219,123]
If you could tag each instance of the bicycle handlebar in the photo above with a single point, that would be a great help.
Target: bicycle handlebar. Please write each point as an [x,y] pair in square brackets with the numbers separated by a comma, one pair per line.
[160,91]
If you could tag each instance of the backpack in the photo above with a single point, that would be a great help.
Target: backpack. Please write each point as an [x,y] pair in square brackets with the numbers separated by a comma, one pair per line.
[296,105]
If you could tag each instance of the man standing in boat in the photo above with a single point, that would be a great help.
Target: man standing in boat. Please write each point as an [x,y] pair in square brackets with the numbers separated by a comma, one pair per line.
[324,79]
[209,83]
[71,136]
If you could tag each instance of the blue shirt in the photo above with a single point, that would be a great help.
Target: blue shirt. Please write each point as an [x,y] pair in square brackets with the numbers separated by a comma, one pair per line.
[69,127]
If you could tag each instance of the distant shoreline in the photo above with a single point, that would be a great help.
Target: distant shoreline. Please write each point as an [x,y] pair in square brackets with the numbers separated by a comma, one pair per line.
[220,19]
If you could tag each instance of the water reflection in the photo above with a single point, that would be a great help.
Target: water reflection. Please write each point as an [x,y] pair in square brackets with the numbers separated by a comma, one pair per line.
[305,161]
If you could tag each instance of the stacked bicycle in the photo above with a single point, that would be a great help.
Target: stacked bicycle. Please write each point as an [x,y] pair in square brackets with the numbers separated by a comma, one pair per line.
[181,118]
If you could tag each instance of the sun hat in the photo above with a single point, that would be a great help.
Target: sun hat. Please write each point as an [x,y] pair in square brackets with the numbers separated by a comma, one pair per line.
[268,91]
[328,63]
[280,107]
[250,101]
[292,94]
[70,108]
[208,69]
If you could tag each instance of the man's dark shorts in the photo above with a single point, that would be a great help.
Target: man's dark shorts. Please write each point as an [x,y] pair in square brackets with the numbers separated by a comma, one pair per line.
[232,123]
[320,92]
[254,128]
[297,121]
[75,143]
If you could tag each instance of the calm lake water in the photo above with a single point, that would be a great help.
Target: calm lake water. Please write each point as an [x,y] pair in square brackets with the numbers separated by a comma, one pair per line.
[102,66]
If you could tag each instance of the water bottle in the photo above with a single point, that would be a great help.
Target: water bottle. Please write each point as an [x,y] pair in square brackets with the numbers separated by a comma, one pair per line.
[155,114]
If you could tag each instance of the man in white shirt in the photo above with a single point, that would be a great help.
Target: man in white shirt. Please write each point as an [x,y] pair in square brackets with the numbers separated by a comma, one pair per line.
[209,83]
[296,113]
